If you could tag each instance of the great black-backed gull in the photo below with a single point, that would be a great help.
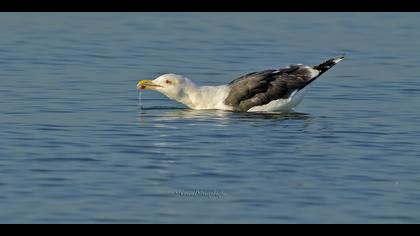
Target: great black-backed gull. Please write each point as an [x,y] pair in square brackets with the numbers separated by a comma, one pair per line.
[275,90]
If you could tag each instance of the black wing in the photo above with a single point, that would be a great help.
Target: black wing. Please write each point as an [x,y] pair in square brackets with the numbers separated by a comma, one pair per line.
[260,88]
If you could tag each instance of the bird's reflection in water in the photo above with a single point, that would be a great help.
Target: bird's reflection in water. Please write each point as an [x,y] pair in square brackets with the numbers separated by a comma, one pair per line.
[173,113]
[173,117]
[292,115]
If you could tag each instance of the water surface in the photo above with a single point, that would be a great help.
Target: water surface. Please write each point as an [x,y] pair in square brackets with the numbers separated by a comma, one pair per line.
[76,148]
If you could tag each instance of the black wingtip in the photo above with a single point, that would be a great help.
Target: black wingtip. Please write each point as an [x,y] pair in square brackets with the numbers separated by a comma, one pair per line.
[323,67]
[337,59]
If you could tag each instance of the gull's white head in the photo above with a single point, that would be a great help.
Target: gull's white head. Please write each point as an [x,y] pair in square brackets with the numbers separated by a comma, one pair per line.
[172,85]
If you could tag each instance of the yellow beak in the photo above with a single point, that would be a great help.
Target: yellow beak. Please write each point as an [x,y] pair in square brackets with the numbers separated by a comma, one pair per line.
[147,85]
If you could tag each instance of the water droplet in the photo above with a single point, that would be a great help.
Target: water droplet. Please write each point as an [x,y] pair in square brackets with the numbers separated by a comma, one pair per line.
[140,101]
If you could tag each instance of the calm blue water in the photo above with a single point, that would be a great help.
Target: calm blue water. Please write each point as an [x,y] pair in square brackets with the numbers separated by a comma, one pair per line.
[76,148]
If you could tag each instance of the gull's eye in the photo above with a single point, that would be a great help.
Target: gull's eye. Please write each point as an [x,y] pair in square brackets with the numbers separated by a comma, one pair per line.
[168,82]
